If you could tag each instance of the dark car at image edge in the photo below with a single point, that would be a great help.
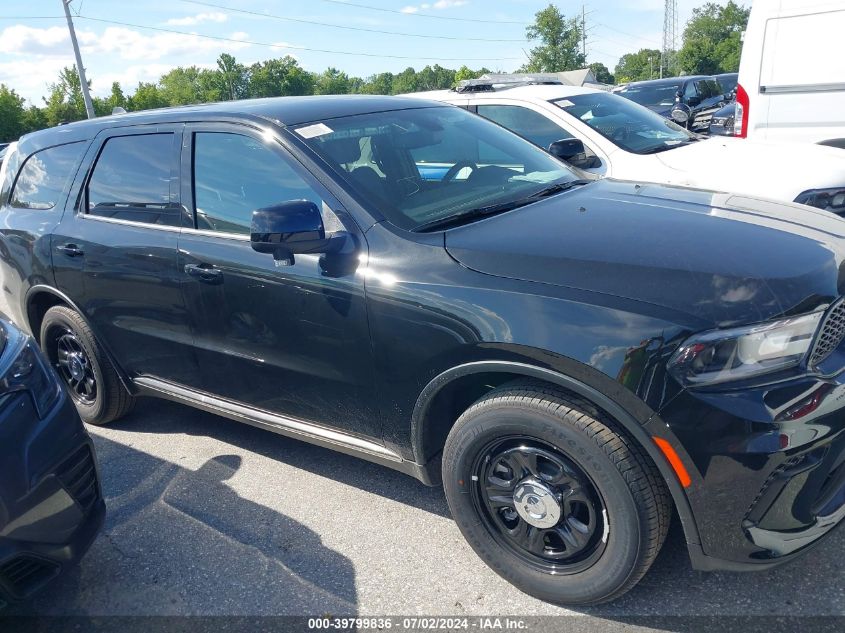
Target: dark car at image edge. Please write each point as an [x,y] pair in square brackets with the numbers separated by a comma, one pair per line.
[51,508]
[574,360]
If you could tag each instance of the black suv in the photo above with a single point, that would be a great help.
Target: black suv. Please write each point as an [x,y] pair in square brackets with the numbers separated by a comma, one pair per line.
[697,97]
[407,282]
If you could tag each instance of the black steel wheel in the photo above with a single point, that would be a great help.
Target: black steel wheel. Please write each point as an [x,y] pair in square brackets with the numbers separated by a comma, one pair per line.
[553,495]
[537,501]
[74,366]
[91,378]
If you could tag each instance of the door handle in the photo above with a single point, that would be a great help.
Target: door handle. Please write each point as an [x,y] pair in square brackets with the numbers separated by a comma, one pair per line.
[71,250]
[204,272]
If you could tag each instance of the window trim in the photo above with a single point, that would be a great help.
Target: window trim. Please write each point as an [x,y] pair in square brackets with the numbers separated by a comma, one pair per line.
[92,157]
[66,189]
[274,143]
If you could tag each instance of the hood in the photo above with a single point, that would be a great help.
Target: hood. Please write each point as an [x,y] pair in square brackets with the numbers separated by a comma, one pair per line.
[722,258]
[766,170]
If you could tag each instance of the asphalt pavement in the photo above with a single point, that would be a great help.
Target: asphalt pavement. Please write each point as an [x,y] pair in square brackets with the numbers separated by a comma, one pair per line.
[211,517]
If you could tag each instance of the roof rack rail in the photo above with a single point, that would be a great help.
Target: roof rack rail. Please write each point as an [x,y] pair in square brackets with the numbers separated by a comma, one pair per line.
[493,82]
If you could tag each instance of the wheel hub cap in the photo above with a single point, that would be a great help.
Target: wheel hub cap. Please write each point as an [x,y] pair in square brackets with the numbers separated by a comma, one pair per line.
[76,366]
[536,504]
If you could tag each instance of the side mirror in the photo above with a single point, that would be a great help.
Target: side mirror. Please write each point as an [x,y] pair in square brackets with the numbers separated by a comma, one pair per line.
[568,149]
[295,226]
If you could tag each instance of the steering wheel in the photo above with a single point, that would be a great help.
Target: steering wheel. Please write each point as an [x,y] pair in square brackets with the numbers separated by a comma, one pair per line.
[455,169]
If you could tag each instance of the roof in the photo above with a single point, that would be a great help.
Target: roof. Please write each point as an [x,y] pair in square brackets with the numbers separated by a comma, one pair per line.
[541,92]
[667,80]
[279,110]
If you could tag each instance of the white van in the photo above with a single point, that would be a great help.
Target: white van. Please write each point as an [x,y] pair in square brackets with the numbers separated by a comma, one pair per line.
[792,73]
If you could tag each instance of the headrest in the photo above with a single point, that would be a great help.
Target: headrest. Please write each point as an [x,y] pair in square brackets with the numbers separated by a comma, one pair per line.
[343,150]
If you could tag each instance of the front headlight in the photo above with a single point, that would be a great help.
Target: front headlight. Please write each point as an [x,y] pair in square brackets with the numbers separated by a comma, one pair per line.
[826,199]
[30,372]
[739,353]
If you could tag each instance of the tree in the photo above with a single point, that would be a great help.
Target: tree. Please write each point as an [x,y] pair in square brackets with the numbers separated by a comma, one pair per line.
[65,103]
[639,66]
[712,39]
[405,82]
[278,78]
[380,84]
[233,77]
[332,82]
[560,47]
[11,114]
[146,97]
[465,73]
[602,73]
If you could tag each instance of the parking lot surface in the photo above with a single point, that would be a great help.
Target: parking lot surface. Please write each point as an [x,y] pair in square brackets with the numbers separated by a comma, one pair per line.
[211,517]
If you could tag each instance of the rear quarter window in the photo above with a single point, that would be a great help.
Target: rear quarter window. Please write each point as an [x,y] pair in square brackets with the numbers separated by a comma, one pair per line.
[43,179]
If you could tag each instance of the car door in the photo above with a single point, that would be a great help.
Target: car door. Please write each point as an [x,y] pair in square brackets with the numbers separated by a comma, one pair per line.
[291,340]
[539,128]
[114,251]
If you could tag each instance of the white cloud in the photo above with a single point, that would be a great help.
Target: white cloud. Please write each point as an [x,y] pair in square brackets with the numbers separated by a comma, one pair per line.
[128,44]
[26,40]
[199,18]
[439,4]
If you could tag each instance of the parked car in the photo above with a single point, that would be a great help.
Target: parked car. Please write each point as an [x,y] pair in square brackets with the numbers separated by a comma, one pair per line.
[722,123]
[791,86]
[51,507]
[610,136]
[572,359]
[689,101]
[728,82]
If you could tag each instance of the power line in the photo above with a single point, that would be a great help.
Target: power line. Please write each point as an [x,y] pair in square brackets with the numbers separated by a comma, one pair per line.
[294,47]
[346,28]
[420,15]
[637,37]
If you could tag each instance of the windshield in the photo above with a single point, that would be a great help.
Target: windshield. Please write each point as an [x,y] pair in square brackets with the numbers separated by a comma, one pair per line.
[660,95]
[423,165]
[628,125]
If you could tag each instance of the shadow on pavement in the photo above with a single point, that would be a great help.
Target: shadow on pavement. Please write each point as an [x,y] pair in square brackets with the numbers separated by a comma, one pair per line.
[161,416]
[190,533]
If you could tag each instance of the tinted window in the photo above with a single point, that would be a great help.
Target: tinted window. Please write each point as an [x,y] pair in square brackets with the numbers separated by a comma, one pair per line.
[234,175]
[44,177]
[131,180]
[652,95]
[628,125]
[530,125]
[690,91]
[410,191]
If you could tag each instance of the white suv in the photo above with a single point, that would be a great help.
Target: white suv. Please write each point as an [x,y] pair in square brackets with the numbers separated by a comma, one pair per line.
[625,140]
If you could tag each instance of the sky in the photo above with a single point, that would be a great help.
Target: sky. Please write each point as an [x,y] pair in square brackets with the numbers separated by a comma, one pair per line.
[139,40]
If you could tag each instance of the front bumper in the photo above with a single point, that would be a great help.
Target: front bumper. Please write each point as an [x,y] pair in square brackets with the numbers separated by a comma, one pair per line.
[51,504]
[767,465]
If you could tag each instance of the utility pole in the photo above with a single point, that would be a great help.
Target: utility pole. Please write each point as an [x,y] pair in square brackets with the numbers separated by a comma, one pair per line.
[584,31]
[89,107]
[670,37]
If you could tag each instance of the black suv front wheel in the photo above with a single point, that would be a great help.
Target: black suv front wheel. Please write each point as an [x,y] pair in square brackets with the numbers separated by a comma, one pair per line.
[83,365]
[552,497]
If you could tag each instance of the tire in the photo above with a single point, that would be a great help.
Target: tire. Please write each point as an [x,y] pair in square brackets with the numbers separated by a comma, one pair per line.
[63,331]
[568,440]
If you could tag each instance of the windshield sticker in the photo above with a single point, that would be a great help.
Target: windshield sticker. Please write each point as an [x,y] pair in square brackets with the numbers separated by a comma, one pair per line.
[311,131]
[565,103]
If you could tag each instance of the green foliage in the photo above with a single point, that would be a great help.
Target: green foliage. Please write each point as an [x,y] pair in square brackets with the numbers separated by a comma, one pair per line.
[65,103]
[11,114]
[639,66]
[279,78]
[602,73]
[147,96]
[332,82]
[560,47]
[712,39]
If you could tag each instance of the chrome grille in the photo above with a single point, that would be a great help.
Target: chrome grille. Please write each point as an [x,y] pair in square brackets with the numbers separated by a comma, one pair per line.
[831,333]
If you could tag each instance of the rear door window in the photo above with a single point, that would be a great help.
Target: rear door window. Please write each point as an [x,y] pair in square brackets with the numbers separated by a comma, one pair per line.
[45,176]
[132,180]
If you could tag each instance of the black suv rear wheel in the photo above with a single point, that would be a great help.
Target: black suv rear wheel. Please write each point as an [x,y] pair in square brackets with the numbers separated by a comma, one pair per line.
[80,361]
[552,496]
